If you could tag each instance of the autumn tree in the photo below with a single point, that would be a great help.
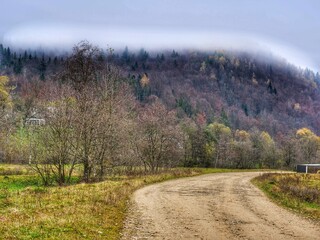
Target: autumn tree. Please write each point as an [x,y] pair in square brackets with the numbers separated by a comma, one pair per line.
[142,87]
[219,137]
[5,100]
[269,155]
[241,154]
[6,116]
[309,145]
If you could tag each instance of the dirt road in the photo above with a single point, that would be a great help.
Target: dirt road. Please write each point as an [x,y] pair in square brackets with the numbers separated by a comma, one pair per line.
[216,206]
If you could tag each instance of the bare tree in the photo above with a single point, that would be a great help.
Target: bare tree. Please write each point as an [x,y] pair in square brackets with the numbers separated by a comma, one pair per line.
[83,66]
[158,140]
[53,153]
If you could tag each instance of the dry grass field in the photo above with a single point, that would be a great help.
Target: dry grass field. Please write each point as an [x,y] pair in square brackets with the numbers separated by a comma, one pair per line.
[299,192]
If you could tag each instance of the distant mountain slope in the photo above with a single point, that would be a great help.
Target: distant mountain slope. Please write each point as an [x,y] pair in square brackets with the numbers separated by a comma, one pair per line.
[238,89]
[241,90]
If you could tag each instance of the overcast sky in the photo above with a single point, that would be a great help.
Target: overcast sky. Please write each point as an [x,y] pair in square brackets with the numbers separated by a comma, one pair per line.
[289,28]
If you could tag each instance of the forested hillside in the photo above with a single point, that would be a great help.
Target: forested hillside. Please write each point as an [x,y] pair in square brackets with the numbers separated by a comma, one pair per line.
[240,89]
[167,108]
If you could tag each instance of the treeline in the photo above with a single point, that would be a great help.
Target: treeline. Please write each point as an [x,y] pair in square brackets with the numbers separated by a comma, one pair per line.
[29,63]
[92,113]
[216,145]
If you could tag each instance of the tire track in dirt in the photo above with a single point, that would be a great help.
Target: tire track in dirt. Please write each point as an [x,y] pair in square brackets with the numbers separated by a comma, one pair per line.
[215,206]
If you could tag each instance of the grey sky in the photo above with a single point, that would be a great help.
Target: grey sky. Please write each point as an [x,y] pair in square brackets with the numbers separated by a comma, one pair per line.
[289,28]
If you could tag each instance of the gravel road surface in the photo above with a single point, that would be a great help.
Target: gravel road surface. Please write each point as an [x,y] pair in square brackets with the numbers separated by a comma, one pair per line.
[215,206]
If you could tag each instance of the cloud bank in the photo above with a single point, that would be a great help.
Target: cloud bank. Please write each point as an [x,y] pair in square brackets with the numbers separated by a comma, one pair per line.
[61,36]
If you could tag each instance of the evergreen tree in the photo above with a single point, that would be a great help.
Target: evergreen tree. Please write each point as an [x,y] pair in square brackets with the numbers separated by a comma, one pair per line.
[7,56]
[224,118]
[1,55]
[143,55]
[126,55]
[42,68]
[25,56]
[17,67]
[55,61]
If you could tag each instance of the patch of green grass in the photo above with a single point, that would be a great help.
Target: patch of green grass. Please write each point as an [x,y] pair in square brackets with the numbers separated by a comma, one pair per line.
[298,192]
[19,182]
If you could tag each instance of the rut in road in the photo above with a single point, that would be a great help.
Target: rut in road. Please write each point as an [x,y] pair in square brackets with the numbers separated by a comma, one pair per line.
[215,206]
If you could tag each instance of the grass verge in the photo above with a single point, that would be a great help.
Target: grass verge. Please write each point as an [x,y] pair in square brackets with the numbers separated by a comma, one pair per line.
[298,192]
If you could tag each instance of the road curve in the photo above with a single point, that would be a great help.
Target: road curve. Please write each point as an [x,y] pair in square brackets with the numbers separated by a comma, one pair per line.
[215,206]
